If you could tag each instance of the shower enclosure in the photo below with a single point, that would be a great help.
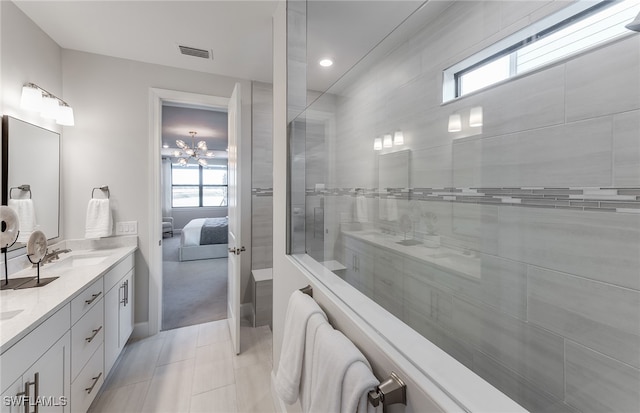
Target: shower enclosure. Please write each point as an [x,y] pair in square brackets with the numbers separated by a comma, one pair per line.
[503,224]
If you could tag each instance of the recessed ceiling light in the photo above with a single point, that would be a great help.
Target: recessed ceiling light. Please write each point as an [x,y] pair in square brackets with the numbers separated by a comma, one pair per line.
[326,62]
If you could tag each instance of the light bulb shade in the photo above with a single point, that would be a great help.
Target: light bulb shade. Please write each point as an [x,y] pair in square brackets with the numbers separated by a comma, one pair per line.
[475,117]
[202,162]
[387,141]
[31,98]
[455,123]
[50,107]
[210,154]
[398,138]
[182,162]
[635,24]
[177,153]
[189,151]
[377,144]
[65,116]
[202,145]
[181,144]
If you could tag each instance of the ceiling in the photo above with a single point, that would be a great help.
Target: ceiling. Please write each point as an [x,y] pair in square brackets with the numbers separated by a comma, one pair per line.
[210,126]
[236,32]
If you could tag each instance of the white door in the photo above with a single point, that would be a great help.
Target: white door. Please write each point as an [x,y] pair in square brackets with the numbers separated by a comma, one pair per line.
[235,242]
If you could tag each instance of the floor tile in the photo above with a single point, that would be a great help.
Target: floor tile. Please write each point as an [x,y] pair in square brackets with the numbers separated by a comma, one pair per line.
[222,400]
[213,332]
[253,389]
[170,388]
[179,344]
[213,367]
[124,399]
[137,363]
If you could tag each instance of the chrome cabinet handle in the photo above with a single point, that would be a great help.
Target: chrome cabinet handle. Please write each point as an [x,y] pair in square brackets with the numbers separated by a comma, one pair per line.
[95,333]
[93,298]
[126,293]
[122,286]
[95,381]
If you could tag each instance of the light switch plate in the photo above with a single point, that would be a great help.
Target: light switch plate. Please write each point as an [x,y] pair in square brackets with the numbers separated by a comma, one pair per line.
[127,228]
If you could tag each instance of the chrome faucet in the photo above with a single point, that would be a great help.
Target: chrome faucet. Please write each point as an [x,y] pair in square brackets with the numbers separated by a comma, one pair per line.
[53,255]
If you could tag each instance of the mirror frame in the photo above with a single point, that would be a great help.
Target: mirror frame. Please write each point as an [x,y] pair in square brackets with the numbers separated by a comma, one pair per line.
[5,170]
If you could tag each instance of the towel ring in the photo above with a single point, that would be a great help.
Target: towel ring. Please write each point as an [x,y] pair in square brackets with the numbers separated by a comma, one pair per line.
[26,188]
[104,188]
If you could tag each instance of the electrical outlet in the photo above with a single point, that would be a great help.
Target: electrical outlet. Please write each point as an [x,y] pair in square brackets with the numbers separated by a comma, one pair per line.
[127,228]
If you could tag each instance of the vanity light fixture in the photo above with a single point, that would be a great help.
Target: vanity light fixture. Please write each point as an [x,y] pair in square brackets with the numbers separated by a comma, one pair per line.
[398,138]
[49,105]
[387,141]
[377,144]
[475,117]
[455,123]
[196,151]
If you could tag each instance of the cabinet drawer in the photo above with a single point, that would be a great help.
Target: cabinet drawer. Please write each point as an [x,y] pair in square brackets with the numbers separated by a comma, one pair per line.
[86,300]
[86,336]
[85,387]
[116,273]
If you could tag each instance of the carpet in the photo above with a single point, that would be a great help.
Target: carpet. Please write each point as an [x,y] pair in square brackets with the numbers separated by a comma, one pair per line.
[193,292]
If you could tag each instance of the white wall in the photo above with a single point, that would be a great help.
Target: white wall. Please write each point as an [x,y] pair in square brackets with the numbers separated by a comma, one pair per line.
[109,143]
[27,55]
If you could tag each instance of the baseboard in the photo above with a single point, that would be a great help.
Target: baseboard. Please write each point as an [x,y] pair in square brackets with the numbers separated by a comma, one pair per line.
[140,330]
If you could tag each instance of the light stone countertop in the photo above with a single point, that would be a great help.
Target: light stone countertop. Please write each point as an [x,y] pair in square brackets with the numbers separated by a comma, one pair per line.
[443,258]
[21,311]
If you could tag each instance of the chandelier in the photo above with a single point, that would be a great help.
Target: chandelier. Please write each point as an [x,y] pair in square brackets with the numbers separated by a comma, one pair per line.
[196,151]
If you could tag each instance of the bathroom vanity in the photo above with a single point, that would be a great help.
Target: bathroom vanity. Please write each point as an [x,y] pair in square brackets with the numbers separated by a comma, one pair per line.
[59,342]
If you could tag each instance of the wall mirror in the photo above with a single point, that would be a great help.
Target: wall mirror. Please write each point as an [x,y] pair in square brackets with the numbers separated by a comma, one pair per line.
[31,170]
[393,170]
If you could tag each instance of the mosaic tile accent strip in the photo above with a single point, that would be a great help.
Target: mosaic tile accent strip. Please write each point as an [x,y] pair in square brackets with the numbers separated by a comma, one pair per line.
[261,191]
[625,200]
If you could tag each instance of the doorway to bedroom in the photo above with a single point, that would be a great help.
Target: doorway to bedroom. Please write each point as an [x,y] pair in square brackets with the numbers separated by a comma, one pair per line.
[194,214]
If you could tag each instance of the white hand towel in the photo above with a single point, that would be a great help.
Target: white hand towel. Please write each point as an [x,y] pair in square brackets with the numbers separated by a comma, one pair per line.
[26,217]
[334,354]
[99,222]
[357,383]
[362,214]
[299,310]
[315,322]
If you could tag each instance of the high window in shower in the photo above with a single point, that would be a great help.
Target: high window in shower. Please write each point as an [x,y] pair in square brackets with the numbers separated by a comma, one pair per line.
[502,226]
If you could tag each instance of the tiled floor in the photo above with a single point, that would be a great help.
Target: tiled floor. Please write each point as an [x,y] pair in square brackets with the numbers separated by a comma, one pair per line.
[192,369]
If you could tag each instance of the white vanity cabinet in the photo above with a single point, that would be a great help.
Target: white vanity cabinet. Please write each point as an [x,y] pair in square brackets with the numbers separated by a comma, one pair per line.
[118,310]
[61,363]
[37,368]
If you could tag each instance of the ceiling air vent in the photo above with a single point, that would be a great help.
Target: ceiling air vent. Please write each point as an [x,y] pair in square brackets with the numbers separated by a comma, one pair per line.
[192,51]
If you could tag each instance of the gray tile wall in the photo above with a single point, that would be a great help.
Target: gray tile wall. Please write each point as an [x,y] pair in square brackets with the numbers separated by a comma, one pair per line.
[553,320]
[262,177]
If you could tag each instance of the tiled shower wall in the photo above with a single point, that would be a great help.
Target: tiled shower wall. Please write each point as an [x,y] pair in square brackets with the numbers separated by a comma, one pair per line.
[262,177]
[560,287]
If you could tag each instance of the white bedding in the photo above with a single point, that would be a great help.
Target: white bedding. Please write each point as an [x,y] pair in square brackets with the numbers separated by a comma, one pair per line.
[191,233]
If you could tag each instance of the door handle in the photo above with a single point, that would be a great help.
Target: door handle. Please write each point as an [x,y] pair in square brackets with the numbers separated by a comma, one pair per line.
[237,251]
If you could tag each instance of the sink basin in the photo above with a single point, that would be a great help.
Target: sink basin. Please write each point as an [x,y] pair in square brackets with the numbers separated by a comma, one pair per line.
[77,261]
[7,315]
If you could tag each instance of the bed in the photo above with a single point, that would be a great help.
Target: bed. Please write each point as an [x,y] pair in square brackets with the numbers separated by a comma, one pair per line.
[203,239]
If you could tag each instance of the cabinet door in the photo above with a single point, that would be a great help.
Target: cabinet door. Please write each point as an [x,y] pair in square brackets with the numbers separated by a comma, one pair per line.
[48,379]
[13,398]
[126,311]
[111,326]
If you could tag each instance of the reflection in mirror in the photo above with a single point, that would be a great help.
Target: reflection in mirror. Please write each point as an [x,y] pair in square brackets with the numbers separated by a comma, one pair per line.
[31,177]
